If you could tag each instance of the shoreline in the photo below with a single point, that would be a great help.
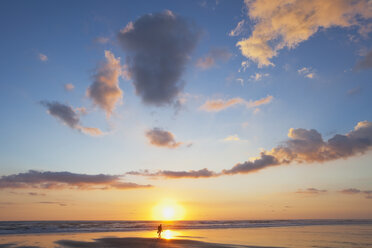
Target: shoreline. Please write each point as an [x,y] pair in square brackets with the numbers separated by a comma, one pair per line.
[148,243]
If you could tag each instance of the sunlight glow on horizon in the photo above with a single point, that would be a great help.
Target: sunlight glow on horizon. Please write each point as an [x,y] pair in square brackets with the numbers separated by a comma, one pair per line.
[168,210]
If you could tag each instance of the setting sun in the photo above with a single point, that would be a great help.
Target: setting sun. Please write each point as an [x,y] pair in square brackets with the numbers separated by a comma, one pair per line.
[168,210]
[168,213]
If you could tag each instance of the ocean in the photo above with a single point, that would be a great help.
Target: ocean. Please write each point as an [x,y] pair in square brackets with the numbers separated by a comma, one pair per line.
[248,233]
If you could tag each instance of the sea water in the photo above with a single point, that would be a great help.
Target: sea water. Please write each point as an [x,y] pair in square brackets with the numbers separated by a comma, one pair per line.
[273,233]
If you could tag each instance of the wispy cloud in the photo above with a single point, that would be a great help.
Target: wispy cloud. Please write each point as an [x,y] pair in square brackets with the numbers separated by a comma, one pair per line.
[306,72]
[238,29]
[365,63]
[285,24]
[244,66]
[65,180]
[101,40]
[162,138]
[220,104]
[354,91]
[214,55]
[258,76]
[70,117]
[234,137]
[43,57]
[311,191]
[69,87]
[158,47]
[53,203]
[105,91]
[36,194]
[354,191]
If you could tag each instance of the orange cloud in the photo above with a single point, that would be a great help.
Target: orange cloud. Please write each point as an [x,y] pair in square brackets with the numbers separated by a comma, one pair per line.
[287,23]
[105,91]
[219,104]
[161,138]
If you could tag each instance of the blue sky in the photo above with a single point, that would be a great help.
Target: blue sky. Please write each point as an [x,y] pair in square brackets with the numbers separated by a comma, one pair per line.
[315,84]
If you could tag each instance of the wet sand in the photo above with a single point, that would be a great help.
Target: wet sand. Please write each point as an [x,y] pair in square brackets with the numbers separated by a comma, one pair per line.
[333,236]
[146,243]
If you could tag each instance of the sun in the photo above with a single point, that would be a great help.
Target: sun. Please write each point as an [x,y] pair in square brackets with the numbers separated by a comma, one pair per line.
[168,210]
[168,213]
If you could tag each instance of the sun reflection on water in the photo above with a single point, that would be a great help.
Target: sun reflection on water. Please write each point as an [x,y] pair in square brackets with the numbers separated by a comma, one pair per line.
[168,234]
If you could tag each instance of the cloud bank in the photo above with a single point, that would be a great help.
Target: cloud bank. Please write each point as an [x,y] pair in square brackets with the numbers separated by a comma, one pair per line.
[68,116]
[105,91]
[285,24]
[161,138]
[303,146]
[220,104]
[65,180]
[158,47]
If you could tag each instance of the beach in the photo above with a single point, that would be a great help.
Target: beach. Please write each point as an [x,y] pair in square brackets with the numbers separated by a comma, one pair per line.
[346,235]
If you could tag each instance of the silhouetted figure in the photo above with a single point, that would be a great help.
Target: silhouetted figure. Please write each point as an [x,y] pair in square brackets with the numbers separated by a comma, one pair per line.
[160,229]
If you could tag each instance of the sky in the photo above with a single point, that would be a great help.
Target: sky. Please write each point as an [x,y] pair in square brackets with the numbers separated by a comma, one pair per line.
[117,110]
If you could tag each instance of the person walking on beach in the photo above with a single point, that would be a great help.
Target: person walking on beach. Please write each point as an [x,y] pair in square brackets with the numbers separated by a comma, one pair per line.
[160,229]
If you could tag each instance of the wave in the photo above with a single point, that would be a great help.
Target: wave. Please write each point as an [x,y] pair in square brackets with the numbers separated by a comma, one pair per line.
[25,227]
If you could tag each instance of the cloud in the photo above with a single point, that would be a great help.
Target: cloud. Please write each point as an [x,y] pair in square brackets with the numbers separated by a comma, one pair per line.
[203,173]
[65,180]
[52,203]
[214,55]
[220,104]
[68,116]
[303,146]
[69,87]
[238,29]
[158,47]
[252,166]
[244,66]
[241,81]
[101,40]
[287,23]
[161,138]
[306,72]
[354,91]
[350,191]
[308,146]
[36,194]
[43,57]
[93,131]
[365,63]
[105,91]
[258,76]
[234,137]
[311,191]
[353,191]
